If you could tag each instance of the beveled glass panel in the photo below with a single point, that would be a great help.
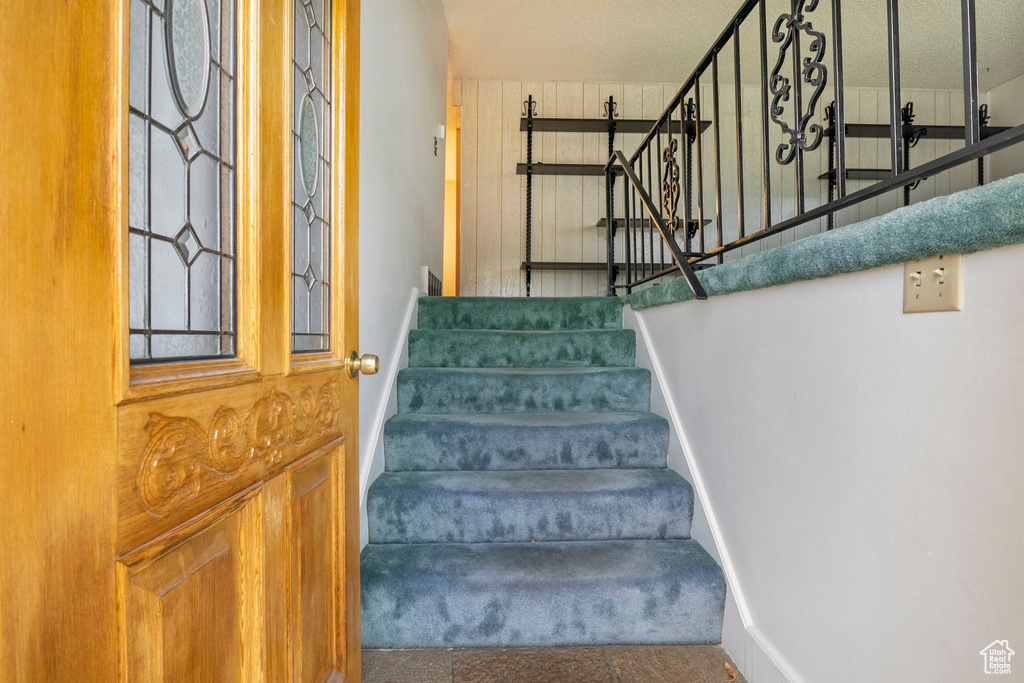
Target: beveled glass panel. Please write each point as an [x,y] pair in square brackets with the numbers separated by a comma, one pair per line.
[204,292]
[213,10]
[138,172]
[207,126]
[181,203]
[138,266]
[188,50]
[163,108]
[311,188]
[309,142]
[138,65]
[167,171]
[168,286]
[204,200]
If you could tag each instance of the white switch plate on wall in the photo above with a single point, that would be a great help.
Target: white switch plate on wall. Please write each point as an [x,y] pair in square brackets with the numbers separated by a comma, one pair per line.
[934,284]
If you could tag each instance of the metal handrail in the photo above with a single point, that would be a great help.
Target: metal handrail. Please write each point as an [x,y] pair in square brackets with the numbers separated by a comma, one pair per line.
[666,233]
[679,132]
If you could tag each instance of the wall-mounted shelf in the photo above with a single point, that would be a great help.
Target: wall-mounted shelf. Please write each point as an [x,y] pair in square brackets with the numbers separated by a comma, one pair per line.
[599,125]
[567,265]
[912,134]
[611,126]
[882,130]
[561,169]
[645,223]
[860,174]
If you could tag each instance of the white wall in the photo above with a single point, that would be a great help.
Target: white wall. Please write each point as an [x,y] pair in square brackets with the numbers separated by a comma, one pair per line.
[403,75]
[864,467]
[1006,103]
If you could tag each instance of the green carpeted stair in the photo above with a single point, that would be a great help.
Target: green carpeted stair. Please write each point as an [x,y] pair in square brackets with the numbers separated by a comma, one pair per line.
[526,500]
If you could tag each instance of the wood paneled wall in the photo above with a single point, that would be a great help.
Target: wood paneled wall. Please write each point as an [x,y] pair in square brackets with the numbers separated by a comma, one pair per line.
[566,209]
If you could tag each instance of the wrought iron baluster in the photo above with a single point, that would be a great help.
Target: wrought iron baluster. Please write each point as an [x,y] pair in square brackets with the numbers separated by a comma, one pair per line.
[895,106]
[661,186]
[839,107]
[766,170]
[634,213]
[739,129]
[649,188]
[717,151]
[700,170]
[628,235]
[972,124]
[685,120]
[642,253]
[798,106]
[830,119]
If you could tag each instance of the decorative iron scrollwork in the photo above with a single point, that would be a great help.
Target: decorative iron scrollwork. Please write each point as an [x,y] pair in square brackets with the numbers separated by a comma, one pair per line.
[907,114]
[611,108]
[530,107]
[914,137]
[670,185]
[805,136]
[690,113]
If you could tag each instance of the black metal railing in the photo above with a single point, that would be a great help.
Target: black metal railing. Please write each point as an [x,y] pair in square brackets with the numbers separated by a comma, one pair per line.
[691,235]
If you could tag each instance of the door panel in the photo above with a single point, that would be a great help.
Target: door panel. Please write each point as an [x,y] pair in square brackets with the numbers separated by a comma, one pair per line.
[192,601]
[315,558]
[305,578]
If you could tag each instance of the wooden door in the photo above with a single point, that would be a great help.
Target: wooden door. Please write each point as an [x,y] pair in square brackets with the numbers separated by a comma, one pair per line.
[181,287]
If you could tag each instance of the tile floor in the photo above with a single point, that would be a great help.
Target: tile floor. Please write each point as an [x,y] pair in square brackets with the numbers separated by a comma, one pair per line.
[657,664]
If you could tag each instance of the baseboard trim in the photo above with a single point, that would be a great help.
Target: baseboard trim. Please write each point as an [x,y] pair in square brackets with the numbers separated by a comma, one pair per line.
[387,406]
[766,666]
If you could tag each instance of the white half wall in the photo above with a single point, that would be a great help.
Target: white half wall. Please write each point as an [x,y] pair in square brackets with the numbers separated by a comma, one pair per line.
[863,468]
[403,92]
[741,644]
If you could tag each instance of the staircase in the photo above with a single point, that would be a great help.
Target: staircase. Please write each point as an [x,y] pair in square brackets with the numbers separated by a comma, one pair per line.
[526,500]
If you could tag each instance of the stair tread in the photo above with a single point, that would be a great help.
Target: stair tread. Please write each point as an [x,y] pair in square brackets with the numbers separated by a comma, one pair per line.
[520,313]
[534,481]
[522,390]
[525,371]
[524,441]
[537,594]
[529,505]
[538,420]
[521,348]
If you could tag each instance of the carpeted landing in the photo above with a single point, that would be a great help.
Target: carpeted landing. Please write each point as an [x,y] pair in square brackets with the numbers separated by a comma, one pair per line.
[526,500]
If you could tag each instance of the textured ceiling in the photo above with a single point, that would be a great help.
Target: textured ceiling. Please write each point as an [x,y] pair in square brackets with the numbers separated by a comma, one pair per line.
[658,41]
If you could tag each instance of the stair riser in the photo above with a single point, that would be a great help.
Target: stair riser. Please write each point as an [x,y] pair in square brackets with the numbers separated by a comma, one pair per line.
[650,601]
[432,513]
[438,445]
[497,313]
[500,349]
[441,392]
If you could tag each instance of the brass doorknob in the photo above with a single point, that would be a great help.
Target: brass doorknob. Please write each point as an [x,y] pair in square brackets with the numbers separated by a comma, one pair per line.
[369,364]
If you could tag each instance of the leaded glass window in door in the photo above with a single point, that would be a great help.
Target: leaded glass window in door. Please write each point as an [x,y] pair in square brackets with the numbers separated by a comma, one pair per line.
[311,174]
[182,177]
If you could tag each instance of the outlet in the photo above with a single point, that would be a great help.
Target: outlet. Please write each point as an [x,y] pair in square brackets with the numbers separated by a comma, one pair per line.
[934,284]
